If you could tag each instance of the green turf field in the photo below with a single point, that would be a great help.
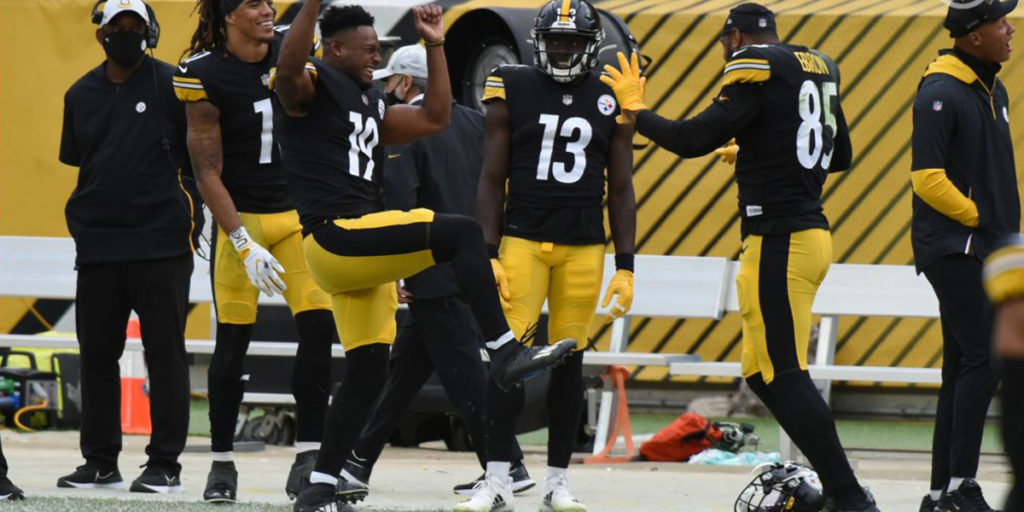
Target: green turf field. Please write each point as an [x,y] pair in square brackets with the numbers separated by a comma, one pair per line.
[911,435]
[79,504]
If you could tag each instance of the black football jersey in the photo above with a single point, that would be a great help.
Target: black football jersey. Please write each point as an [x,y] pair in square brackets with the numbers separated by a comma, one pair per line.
[333,155]
[561,139]
[252,170]
[787,148]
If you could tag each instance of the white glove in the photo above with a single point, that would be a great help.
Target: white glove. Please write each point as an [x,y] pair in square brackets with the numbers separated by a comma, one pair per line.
[261,266]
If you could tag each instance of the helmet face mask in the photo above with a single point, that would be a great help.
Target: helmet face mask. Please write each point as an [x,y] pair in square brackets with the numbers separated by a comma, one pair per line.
[782,487]
[566,37]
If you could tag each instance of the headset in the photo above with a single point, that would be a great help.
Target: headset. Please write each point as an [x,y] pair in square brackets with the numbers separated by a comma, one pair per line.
[152,30]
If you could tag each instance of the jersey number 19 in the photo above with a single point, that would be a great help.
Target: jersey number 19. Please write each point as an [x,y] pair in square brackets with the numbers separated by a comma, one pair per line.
[816,114]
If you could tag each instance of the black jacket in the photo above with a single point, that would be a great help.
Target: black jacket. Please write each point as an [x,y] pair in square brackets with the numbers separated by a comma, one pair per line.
[440,173]
[962,125]
[135,199]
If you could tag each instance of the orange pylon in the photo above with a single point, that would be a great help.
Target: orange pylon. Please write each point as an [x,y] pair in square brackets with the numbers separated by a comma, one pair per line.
[134,400]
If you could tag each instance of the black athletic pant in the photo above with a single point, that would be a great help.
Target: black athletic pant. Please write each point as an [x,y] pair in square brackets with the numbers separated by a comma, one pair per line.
[438,334]
[968,378]
[157,291]
[1013,428]
[311,377]
[3,462]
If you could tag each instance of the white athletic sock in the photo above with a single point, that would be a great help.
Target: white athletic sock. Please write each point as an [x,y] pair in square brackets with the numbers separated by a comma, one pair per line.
[935,495]
[223,456]
[954,483]
[503,339]
[306,446]
[499,469]
[317,477]
[555,475]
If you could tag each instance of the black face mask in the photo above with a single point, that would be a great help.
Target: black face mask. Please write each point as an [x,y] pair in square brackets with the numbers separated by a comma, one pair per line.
[125,48]
[392,98]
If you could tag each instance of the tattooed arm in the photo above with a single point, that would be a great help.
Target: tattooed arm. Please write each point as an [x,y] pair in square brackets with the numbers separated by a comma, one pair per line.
[207,153]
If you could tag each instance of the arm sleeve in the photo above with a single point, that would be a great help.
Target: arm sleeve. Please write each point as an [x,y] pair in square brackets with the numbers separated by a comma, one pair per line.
[935,121]
[187,85]
[401,178]
[1004,273]
[68,148]
[734,107]
[842,156]
[494,86]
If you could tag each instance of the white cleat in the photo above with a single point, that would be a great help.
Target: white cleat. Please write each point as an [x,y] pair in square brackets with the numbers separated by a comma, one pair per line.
[492,494]
[559,498]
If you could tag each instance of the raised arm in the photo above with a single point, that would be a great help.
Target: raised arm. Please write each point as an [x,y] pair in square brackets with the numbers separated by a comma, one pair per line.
[406,123]
[294,85]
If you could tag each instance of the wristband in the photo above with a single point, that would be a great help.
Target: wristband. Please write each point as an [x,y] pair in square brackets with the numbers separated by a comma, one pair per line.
[240,238]
[492,251]
[624,261]
[431,44]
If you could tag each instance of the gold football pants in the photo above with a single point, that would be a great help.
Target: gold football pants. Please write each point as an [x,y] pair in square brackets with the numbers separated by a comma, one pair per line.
[568,276]
[235,296]
[779,276]
[357,262]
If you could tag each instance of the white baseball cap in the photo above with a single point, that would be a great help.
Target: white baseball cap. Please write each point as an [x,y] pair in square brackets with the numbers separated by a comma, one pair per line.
[408,60]
[114,7]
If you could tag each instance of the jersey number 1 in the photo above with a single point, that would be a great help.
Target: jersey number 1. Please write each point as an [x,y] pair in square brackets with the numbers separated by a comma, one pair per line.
[266,111]
[816,111]
[571,126]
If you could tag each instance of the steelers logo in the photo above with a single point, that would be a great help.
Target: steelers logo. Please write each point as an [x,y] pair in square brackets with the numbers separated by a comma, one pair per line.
[606,104]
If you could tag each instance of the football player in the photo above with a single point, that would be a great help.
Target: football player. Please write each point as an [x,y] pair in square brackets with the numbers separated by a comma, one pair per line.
[1004,282]
[332,128]
[258,240]
[781,103]
[550,135]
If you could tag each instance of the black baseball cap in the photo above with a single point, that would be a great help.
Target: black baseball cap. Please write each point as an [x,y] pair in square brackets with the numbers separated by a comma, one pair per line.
[750,18]
[965,16]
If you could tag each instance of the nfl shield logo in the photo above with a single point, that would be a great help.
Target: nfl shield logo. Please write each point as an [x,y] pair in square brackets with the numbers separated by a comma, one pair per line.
[265,79]
[366,101]
[937,106]
[762,22]
[567,99]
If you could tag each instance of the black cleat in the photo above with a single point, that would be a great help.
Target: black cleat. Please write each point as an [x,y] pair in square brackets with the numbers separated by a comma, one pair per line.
[319,498]
[157,480]
[298,477]
[221,483]
[966,498]
[928,504]
[521,481]
[514,362]
[354,484]
[867,504]
[9,491]
[92,477]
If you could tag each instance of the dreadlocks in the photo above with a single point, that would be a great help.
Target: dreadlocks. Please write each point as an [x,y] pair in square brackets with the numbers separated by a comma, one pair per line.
[211,30]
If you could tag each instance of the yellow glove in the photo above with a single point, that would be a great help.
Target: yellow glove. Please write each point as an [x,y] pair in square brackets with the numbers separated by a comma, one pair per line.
[728,152]
[501,279]
[621,285]
[626,82]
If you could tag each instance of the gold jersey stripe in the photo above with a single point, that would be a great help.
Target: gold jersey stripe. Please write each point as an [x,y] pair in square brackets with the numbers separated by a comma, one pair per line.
[189,95]
[493,93]
[179,78]
[744,76]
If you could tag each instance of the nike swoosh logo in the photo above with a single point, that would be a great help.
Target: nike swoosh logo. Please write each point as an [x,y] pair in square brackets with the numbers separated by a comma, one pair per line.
[183,69]
[360,459]
[394,156]
[101,476]
[544,352]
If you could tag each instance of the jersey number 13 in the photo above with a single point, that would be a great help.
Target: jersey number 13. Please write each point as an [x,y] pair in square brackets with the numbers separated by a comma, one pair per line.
[579,132]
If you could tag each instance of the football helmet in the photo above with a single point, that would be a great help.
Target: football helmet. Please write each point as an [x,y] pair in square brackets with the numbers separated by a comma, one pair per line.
[782,487]
[566,38]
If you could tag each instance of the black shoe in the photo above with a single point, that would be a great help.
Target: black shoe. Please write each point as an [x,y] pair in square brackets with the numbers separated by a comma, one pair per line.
[221,483]
[92,477]
[521,481]
[354,484]
[155,479]
[865,504]
[966,498]
[298,477]
[514,362]
[9,491]
[319,498]
[928,504]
